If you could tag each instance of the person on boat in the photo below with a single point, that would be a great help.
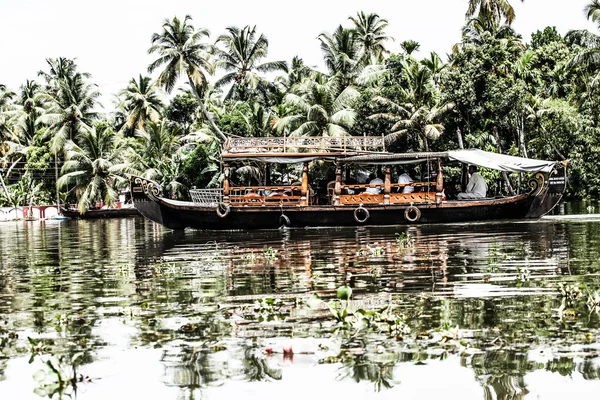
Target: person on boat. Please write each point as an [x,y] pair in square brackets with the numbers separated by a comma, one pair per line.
[405,178]
[476,188]
[373,180]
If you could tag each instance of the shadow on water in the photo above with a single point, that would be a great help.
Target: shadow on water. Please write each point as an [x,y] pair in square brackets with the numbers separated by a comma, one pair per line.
[211,313]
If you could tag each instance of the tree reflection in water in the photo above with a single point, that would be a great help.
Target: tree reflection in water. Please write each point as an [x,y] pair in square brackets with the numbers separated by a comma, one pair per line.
[195,294]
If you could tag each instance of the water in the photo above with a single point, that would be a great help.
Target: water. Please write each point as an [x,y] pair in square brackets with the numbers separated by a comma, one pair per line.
[503,310]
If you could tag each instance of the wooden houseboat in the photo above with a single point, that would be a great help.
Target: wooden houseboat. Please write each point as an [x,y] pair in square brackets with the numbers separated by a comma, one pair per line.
[301,204]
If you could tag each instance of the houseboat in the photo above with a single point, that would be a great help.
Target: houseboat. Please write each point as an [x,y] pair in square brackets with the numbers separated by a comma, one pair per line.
[344,200]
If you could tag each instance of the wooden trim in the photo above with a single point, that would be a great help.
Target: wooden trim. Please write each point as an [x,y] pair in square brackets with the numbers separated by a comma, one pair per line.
[415,197]
[361,198]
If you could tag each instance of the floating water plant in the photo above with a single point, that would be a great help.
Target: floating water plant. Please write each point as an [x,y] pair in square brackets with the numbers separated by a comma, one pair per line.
[404,242]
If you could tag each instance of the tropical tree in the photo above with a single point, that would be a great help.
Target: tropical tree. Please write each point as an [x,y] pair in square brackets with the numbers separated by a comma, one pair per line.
[70,106]
[370,32]
[240,58]
[410,46]
[297,72]
[94,167]
[159,156]
[141,103]
[181,51]
[6,97]
[343,55]
[491,10]
[588,58]
[323,109]
[422,121]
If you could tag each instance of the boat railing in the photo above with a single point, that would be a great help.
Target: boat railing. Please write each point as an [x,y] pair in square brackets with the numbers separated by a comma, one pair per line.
[360,194]
[265,195]
[323,143]
[207,197]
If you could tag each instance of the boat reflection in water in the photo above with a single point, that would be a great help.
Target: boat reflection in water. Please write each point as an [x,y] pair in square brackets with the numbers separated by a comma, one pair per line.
[495,286]
[486,310]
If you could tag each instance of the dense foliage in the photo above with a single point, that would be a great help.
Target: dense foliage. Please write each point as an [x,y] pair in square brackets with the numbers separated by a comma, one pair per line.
[494,92]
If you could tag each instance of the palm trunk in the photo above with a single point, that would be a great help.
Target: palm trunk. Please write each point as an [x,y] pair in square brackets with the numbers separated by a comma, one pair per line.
[504,174]
[522,138]
[4,186]
[204,111]
[6,190]
[56,184]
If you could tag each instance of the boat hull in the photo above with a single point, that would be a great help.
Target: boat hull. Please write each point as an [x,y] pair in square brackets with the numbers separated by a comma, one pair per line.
[105,213]
[180,215]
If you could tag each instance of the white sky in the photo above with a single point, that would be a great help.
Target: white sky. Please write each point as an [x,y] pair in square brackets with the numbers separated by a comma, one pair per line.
[110,38]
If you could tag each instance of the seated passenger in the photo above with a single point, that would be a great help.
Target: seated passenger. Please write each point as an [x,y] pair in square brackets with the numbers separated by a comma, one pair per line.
[374,181]
[351,181]
[406,179]
[476,188]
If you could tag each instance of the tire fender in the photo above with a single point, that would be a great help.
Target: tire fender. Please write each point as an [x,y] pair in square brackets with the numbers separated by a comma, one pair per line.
[357,213]
[412,214]
[223,210]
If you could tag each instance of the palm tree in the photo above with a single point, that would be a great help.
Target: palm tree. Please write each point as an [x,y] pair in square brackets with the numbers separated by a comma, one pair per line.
[296,73]
[435,65]
[159,156]
[94,168]
[416,110]
[26,126]
[370,31]
[240,58]
[409,118]
[477,30]
[492,10]
[589,57]
[158,141]
[141,103]
[343,55]
[410,46]
[324,110]
[181,52]
[6,97]
[70,108]
[256,117]
[5,100]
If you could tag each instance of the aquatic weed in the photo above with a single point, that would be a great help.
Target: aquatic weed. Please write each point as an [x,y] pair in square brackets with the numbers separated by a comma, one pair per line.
[405,242]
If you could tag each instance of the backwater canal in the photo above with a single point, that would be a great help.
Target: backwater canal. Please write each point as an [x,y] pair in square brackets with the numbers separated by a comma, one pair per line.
[124,309]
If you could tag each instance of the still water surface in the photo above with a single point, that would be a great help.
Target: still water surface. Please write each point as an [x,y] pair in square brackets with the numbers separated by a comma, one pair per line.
[504,310]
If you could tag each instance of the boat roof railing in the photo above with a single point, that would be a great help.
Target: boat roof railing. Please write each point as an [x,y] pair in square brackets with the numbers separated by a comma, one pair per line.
[364,150]
[292,144]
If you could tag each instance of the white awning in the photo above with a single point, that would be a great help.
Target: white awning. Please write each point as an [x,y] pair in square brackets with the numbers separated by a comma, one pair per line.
[500,162]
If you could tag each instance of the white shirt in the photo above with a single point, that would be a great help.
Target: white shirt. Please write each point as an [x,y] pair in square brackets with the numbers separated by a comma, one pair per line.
[375,190]
[405,178]
[477,185]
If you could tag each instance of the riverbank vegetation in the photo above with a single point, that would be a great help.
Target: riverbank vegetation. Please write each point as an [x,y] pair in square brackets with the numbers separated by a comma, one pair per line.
[493,91]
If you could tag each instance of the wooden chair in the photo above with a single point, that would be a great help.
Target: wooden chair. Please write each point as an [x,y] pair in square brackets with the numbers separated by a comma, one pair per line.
[330,191]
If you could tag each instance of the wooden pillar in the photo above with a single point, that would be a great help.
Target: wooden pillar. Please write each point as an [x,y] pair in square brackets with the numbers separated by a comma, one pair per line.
[267,174]
[439,184]
[337,191]
[304,190]
[226,173]
[387,186]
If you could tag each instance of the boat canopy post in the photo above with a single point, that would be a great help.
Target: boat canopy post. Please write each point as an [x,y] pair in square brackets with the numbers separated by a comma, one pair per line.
[267,174]
[304,190]
[226,172]
[387,187]
[337,191]
[439,183]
